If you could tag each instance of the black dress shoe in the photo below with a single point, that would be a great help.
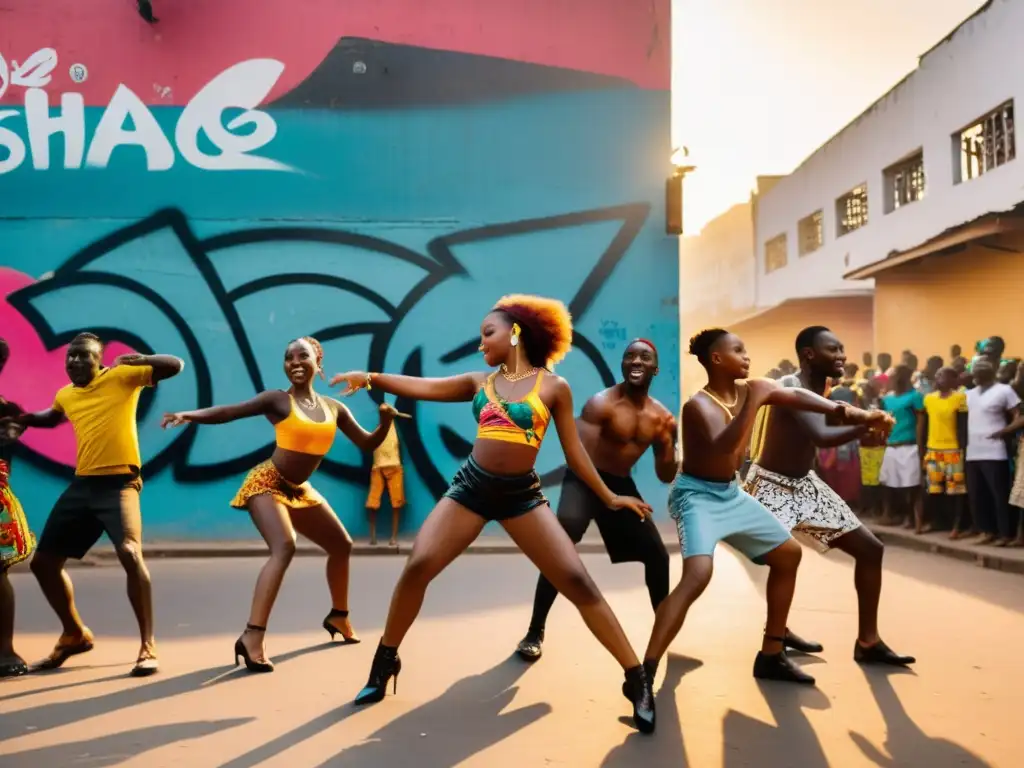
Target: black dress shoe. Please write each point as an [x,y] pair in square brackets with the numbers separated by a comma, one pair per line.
[529,648]
[880,653]
[779,667]
[796,643]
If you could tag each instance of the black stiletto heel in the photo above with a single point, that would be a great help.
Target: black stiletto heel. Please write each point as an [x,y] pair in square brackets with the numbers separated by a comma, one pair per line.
[386,665]
[333,630]
[241,652]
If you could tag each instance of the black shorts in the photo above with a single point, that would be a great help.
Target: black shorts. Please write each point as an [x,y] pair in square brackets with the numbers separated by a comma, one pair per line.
[89,507]
[495,497]
[626,537]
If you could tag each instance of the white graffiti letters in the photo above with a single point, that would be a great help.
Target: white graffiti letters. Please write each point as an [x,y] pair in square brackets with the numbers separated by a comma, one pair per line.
[244,85]
[128,122]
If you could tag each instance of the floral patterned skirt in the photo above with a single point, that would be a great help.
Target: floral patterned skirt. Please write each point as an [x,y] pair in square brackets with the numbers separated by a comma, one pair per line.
[16,540]
[265,479]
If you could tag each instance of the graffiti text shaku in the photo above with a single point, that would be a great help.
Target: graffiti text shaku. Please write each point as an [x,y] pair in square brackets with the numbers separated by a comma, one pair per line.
[242,86]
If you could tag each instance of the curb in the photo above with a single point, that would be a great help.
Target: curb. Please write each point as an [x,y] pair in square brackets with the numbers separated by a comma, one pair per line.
[983,558]
[987,558]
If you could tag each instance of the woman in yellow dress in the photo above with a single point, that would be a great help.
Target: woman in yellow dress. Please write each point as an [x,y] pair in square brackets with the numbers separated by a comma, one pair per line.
[16,540]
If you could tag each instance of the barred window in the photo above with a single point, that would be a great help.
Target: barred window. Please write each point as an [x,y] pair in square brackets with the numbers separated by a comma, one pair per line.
[987,144]
[852,210]
[904,182]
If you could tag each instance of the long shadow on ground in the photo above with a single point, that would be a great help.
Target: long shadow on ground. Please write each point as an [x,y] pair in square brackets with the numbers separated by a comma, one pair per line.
[666,746]
[55,715]
[905,742]
[117,748]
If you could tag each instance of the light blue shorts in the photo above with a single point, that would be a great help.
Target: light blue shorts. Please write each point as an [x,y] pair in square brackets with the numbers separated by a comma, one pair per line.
[707,513]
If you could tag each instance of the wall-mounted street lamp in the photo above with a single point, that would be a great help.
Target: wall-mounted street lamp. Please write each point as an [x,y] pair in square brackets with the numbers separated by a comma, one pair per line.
[674,191]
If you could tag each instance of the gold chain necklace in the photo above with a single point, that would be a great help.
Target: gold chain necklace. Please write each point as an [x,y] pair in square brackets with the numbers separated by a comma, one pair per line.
[725,407]
[514,377]
[311,403]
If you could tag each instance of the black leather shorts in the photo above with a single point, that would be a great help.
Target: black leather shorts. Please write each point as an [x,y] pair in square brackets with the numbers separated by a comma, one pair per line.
[495,497]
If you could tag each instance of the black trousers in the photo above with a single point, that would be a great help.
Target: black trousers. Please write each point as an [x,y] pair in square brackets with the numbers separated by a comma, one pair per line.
[988,488]
[626,537]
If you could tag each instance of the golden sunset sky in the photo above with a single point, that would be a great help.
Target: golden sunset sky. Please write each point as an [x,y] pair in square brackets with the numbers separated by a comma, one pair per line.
[758,85]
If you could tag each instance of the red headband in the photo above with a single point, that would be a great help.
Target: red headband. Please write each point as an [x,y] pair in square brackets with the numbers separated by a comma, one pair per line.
[648,342]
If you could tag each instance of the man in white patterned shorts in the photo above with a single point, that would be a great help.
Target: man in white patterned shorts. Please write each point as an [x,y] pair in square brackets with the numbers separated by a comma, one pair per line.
[783,450]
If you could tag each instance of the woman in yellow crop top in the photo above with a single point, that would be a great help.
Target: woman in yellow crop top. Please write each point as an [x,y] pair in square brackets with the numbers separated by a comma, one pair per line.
[278,494]
[513,405]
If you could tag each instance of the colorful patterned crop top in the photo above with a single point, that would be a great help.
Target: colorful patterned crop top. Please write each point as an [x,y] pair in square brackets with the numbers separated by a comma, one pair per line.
[297,432]
[522,421]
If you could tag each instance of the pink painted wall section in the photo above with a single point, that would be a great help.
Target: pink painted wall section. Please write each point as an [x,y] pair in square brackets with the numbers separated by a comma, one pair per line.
[195,40]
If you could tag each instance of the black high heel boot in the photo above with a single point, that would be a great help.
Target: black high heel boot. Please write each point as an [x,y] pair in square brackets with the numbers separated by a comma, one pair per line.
[242,652]
[637,689]
[333,630]
[386,665]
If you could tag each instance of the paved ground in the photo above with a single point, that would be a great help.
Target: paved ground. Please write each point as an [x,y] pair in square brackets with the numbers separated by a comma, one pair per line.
[463,701]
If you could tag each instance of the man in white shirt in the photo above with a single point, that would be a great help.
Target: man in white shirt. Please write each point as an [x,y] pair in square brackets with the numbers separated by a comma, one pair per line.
[990,407]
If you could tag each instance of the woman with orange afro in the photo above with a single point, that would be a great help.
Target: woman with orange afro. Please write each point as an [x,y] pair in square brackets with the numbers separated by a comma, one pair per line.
[278,495]
[522,338]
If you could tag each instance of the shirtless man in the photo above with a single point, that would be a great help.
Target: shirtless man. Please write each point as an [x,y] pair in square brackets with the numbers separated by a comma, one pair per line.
[781,478]
[617,426]
[709,506]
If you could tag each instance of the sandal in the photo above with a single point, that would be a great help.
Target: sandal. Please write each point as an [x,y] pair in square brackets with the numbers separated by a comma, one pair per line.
[63,651]
[147,664]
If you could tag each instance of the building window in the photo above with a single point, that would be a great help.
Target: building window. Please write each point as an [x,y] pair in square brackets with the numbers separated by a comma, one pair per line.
[904,182]
[987,144]
[852,210]
[775,255]
[811,230]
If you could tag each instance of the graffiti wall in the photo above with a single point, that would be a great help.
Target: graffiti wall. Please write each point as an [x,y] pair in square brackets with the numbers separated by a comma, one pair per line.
[372,174]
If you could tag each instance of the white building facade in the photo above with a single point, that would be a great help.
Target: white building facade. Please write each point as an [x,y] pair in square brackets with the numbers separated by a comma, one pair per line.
[929,171]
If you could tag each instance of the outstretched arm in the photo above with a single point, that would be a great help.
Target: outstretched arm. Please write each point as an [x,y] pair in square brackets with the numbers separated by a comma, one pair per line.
[265,403]
[48,419]
[576,457]
[452,389]
[363,440]
[810,412]
[164,366]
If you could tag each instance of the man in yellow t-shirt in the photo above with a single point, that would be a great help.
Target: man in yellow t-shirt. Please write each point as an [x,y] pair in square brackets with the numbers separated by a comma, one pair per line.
[941,445]
[386,472]
[103,497]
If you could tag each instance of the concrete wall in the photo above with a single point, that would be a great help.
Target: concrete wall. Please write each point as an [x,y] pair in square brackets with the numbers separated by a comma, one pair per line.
[929,305]
[975,71]
[770,337]
[375,175]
